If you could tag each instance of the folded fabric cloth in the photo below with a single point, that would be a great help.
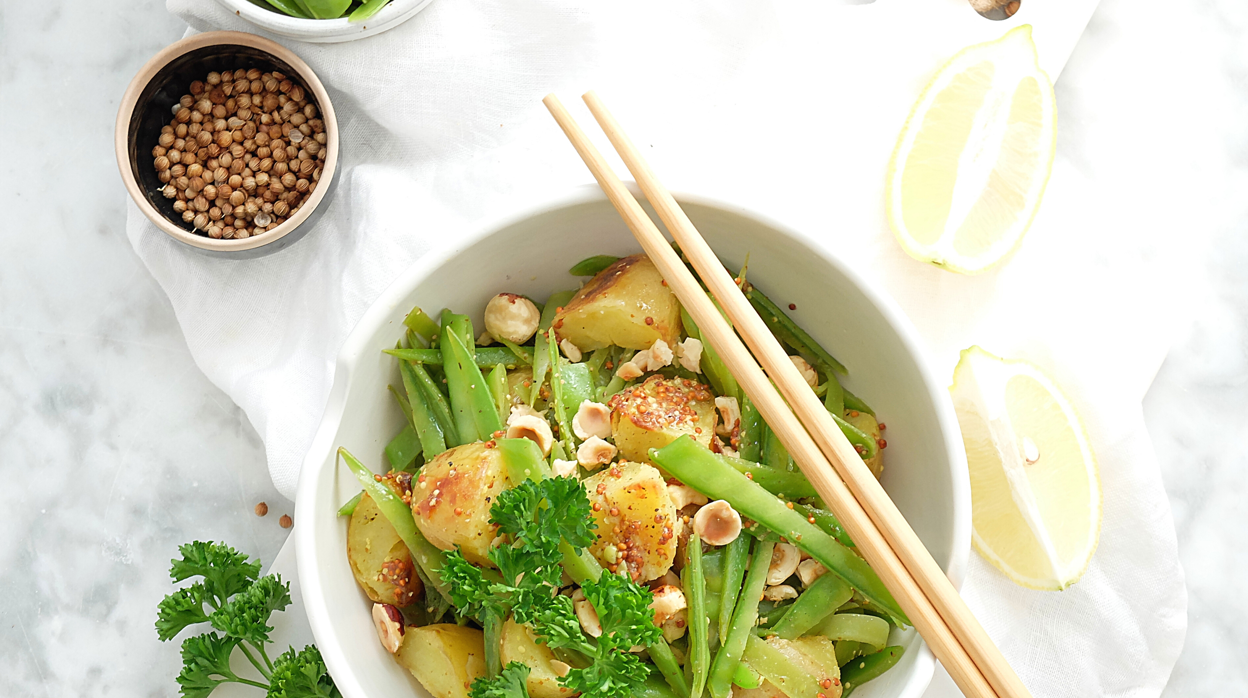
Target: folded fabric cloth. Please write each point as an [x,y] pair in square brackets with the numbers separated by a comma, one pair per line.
[792,110]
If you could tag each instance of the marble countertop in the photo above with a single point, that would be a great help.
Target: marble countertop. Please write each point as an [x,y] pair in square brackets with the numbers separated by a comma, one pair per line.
[117,449]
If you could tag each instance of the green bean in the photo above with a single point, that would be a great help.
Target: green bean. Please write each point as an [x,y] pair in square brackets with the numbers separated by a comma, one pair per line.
[706,472]
[745,677]
[869,667]
[432,438]
[790,485]
[826,521]
[856,627]
[590,266]
[793,680]
[847,650]
[775,455]
[402,450]
[712,365]
[492,630]
[735,555]
[788,332]
[421,324]
[744,616]
[429,558]
[497,382]
[661,654]
[541,355]
[713,569]
[596,360]
[694,584]
[750,443]
[366,10]
[818,601]
[476,415]
[853,402]
[436,401]
[349,508]
[582,566]
[485,357]
[834,397]
[571,384]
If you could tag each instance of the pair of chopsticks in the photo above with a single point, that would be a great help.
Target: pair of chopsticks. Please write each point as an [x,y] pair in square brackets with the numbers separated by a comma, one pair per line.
[817,445]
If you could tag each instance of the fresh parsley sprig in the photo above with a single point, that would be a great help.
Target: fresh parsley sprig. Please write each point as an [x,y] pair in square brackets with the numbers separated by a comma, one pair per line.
[239,603]
[534,517]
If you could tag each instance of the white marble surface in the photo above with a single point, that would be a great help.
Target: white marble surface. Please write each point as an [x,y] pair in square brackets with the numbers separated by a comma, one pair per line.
[117,449]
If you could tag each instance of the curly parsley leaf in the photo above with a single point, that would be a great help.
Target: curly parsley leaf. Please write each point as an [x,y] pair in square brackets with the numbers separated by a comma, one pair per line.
[301,674]
[225,570]
[205,664]
[180,609]
[472,594]
[566,515]
[627,620]
[246,616]
[512,682]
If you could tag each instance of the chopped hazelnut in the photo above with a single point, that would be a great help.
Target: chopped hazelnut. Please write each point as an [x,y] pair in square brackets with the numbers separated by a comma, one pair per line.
[717,523]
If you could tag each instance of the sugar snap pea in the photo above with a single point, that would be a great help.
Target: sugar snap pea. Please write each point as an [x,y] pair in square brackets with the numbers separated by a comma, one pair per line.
[707,473]
[834,394]
[420,323]
[817,602]
[712,365]
[856,627]
[744,616]
[472,405]
[541,354]
[590,266]
[694,584]
[735,555]
[432,437]
[860,671]
[788,332]
[485,356]
[661,654]
[750,443]
[402,450]
[349,508]
[789,484]
[437,403]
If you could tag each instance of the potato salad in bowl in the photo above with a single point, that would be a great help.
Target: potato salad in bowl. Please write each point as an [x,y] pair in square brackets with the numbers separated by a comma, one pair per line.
[581,500]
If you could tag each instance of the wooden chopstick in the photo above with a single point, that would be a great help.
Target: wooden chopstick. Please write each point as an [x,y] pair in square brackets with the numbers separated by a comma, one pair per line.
[815,417]
[771,406]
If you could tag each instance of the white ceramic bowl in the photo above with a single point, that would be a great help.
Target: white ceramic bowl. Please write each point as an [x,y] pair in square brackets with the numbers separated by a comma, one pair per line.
[530,253]
[326,31]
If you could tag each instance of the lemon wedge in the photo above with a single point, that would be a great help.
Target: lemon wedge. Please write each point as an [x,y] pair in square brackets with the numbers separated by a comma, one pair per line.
[973,159]
[1035,488]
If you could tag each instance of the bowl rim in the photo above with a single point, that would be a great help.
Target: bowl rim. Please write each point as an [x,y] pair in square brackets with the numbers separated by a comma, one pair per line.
[384,307]
[390,16]
[143,78]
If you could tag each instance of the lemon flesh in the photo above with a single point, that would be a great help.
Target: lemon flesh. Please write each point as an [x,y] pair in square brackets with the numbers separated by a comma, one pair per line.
[971,164]
[1035,487]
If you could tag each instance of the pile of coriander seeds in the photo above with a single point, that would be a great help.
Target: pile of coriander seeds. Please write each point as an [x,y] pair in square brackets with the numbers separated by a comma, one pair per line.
[243,152]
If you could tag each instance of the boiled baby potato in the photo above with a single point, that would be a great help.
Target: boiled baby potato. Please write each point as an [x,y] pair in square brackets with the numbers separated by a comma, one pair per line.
[379,559]
[657,412]
[518,645]
[636,520]
[444,658]
[627,304]
[867,424]
[451,499]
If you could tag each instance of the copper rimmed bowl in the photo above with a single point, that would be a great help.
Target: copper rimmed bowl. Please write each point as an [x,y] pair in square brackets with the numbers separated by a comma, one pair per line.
[146,108]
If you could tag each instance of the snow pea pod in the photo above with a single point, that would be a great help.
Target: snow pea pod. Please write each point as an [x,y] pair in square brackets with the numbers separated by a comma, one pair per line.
[437,404]
[497,380]
[325,9]
[428,557]
[349,508]
[702,470]
[402,450]
[853,402]
[288,7]
[420,323]
[484,358]
[855,627]
[834,395]
[432,438]
[750,442]
[472,405]
[735,556]
[571,384]
[788,332]
[862,670]
[791,485]
[865,445]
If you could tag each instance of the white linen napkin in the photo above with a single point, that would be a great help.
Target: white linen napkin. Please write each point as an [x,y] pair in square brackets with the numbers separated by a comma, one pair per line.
[791,109]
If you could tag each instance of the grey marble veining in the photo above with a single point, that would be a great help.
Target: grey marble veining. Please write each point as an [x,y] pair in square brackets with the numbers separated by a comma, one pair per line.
[116,449]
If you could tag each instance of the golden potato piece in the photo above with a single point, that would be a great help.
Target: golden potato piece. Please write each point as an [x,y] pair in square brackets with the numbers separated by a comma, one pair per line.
[452,497]
[444,658]
[636,520]
[518,645]
[657,412]
[871,428]
[627,304]
[380,560]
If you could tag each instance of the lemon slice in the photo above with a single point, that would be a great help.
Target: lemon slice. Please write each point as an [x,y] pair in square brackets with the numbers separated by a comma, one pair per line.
[972,162]
[1035,489]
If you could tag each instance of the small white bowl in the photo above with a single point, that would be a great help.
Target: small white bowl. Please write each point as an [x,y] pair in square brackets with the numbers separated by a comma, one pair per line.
[326,31]
[529,253]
